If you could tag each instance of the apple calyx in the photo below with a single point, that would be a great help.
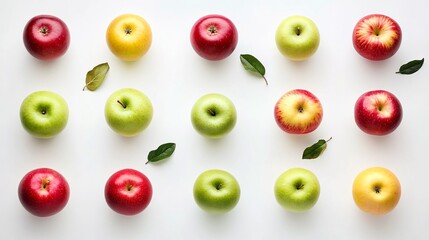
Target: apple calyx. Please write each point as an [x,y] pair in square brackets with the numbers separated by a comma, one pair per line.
[212,30]
[128,30]
[377,189]
[44,30]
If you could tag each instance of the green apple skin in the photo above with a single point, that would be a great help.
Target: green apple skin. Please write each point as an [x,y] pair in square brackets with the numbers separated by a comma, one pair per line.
[128,112]
[213,115]
[44,114]
[297,190]
[216,191]
[297,37]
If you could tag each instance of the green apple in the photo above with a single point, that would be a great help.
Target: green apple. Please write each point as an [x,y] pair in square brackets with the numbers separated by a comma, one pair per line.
[297,189]
[297,38]
[213,115]
[128,111]
[216,191]
[44,114]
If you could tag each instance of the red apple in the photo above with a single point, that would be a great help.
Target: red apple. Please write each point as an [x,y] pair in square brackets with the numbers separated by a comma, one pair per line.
[214,37]
[46,37]
[43,192]
[377,37]
[298,112]
[378,112]
[128,192]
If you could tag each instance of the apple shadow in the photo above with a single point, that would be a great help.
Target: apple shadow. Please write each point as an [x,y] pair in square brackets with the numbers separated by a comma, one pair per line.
[36,226]
[216,146]
[378,144]
[297,141]
[211,68]
[211,223]
[41,145]
[378,225]
[43,66]
[125,227]
[297,223]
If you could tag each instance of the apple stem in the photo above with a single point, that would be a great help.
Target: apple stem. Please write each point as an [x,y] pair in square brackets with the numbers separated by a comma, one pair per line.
[329,139]
[123,105]
[212,112]
[45,184]
[298,31]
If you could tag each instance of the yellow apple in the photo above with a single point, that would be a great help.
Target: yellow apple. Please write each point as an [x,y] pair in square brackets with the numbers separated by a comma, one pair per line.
[376,190]
[129,37]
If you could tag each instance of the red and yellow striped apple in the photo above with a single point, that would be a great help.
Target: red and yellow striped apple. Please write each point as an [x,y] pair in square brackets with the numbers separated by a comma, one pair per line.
[377,37]
[298,112]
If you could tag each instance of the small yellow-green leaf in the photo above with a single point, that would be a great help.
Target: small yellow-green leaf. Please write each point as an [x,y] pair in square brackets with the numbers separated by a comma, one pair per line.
[315,150]
[411,67]
[163,151]
[252,64]
[96,76]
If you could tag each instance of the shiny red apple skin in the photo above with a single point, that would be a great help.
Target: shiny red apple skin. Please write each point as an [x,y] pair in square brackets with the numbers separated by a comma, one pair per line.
[378,112]
[298,112]
[43,192]
[128,192]
[214,37]
[46,37]
[377,37]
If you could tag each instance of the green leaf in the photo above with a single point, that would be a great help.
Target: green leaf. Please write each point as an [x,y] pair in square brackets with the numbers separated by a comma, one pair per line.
[252,64]
[411,67]
[163,151]
[95,77]
[315,150]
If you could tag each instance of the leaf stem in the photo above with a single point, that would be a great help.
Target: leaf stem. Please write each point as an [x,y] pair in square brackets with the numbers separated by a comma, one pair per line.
[266,82]
[86,85]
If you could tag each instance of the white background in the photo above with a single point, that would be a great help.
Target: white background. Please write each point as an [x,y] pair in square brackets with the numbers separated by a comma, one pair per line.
[256,152]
